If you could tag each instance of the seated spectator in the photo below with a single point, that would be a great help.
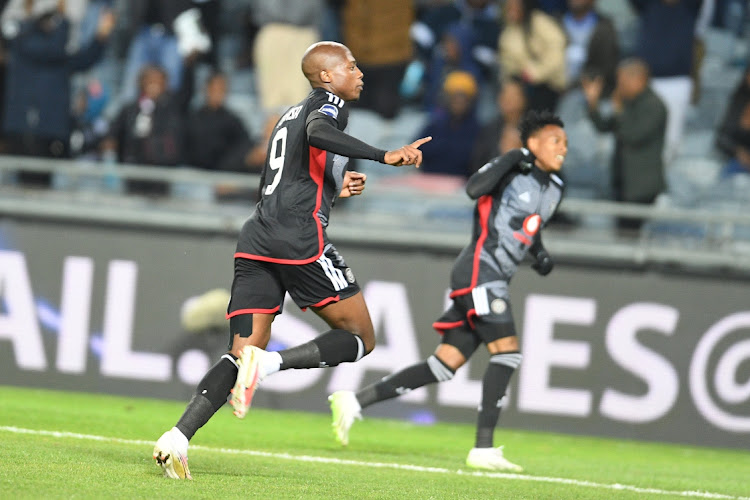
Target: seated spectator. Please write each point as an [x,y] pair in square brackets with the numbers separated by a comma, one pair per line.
[150,130]
[37,119]
[501,134]
[532,49]
[639,125]
[735,115]
[739,163]
[480,16]
[453,127]
[216,137]
[593,47]
[90,126]
[454,54]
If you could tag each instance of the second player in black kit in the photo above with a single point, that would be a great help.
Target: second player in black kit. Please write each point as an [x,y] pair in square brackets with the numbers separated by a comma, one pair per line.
[517,194]
[283,247]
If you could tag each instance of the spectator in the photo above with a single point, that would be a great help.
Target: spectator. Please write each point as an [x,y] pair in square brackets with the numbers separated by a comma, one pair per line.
[593,47]
[286,29]
[37,119]
[163,33]
[666,44]
[739,163]
[501,134]
[89,125]
[735,115]
[150,130]
[74,11]
[454,54]
[216,137]
[480,16]
[532,48]
[639,125]
[453,127]
[377,31]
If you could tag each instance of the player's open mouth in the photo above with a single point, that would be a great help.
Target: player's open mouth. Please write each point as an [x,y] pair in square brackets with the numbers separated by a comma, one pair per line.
[560,158]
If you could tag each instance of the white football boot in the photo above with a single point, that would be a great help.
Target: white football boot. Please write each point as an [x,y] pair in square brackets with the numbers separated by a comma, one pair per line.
[491,459]
[170,454]
[345,409]
[249,374]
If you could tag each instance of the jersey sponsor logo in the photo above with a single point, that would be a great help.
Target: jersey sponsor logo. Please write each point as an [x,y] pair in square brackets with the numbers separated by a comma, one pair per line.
[525,197]
[335,99]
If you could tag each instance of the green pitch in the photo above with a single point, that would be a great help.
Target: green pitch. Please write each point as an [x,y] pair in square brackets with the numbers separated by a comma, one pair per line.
[73,445]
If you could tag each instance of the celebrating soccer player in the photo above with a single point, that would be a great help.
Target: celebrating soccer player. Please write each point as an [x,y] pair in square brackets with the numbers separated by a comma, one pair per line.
[516,193]
[283,247]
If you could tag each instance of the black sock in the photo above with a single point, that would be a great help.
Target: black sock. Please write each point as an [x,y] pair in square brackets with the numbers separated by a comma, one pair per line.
[328,349]
[210,395]
[494,384]
[427,372]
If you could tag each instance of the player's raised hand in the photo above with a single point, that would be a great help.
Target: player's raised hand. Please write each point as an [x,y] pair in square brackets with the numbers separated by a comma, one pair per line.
[353,185]
[407,155]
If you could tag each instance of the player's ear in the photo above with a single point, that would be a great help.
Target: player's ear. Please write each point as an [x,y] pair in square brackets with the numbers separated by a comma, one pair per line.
[325,76]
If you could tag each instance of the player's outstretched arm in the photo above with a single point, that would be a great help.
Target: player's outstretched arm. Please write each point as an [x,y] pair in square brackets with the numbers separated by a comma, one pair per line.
[353,185]
[407,155]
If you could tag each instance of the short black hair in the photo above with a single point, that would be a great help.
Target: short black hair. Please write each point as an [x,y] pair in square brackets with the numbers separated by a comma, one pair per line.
[535,120]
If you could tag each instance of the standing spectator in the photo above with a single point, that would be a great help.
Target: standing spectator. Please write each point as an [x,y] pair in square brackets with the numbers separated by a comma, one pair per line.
[532,48]
[378,32]
[453,127]
[639,124]
[666,43]
[90,126]
[216,137]
[286,29]
[37,119]
[150,130]
[501,134]
[734,115]
[511,210]
[593,47]
[163,33]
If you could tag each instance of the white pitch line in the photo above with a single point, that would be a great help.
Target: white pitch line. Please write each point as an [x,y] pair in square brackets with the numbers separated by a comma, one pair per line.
[385,465]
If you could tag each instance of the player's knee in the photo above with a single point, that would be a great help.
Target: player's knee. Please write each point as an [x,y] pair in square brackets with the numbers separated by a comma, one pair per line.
[440,369]
[509,359]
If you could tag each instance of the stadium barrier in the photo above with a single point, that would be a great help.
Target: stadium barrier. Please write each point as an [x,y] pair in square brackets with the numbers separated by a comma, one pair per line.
[119,295]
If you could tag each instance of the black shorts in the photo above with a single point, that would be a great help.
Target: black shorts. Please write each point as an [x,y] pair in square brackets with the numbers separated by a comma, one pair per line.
[259,287]
[480,316]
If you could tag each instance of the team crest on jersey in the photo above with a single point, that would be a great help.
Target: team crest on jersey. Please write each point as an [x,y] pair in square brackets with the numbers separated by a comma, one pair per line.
[498,306]
[329,110]
[349,275]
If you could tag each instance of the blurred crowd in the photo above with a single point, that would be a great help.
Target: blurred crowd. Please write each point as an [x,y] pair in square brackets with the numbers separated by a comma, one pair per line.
[149,82]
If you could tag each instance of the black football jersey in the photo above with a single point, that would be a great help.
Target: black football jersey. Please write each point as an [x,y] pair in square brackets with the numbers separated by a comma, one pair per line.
[299,184]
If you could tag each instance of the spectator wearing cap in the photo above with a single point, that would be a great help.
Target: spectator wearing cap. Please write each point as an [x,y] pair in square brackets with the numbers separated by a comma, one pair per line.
[453,126]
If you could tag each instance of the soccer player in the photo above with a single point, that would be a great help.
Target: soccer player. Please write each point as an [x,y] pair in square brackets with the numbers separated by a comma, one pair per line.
[516,195]
[283,247]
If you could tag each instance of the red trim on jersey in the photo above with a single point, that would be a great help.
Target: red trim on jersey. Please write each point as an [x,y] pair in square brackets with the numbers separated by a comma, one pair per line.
[252,311]
[441,327]
[522,238]
[317,173]
[317,165]
[484,206]
[470,315]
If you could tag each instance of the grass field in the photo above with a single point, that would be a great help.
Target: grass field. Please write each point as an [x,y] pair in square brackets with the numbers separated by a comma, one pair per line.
[73,445]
